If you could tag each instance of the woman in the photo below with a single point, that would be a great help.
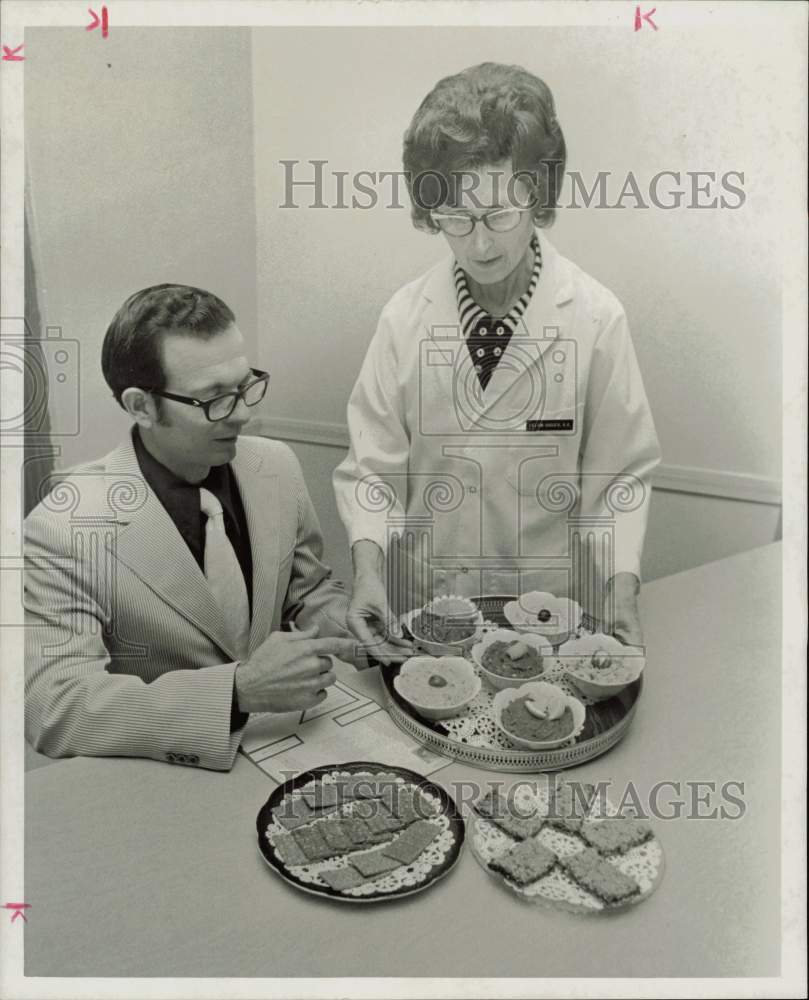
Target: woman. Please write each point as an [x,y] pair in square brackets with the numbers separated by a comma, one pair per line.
[501,440]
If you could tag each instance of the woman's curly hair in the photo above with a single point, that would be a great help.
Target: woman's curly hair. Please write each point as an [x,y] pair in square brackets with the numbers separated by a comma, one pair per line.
[482,116]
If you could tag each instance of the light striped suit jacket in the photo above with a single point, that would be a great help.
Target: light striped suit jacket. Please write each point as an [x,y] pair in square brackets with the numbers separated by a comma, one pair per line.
[126,651]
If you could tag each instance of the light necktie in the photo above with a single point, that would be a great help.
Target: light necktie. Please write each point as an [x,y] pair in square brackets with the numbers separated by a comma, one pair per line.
[224,574]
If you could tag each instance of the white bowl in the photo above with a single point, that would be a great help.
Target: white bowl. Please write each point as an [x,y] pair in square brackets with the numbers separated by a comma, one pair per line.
[442,648]
[537,642]
[507,695]
[576,656]
[432,664]
[565,615]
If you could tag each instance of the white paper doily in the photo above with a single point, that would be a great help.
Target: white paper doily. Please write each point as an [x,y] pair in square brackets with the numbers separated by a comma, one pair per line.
[476,726]
[411,875]
[644,863]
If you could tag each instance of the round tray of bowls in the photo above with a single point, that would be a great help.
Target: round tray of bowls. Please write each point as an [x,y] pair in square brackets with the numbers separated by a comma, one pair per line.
[474,737]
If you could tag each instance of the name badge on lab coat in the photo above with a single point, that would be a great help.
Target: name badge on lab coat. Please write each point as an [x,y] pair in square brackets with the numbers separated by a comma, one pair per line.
[549,425]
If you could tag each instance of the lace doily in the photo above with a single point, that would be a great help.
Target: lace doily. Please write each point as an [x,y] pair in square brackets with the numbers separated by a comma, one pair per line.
[644,863]
[476,726]
[412,875]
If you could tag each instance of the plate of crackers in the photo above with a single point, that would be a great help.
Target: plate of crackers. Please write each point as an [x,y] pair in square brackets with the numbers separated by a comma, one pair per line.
[360,832]
[562,844]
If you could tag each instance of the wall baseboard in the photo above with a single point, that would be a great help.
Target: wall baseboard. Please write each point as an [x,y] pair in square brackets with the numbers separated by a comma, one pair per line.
[670,478]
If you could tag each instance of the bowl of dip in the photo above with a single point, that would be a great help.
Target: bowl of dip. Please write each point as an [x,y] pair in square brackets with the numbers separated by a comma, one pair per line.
[438,687]
[600,665]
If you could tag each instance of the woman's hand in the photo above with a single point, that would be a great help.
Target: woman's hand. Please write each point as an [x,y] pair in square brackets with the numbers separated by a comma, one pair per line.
[373,623]
[621,615]
[369,615]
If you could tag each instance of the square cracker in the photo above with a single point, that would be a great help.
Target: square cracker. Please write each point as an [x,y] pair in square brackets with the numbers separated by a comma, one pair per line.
[410,844]
[524,863]
[311,842]
[382,820]
[495,808]
[357,830]
[597,875]
[615,834]
[334,834]
[293,811]
[322,795]
[288,851]
[410,803]
[374,863]
[360,786]
[569,807]
[341,878]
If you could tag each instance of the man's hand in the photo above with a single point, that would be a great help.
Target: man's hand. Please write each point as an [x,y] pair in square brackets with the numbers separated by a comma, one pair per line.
[289,672]
[373,623]
[621,615]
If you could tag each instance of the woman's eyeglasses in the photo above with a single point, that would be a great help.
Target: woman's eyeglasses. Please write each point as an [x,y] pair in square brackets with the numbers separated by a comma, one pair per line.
[221,407]
[499,220]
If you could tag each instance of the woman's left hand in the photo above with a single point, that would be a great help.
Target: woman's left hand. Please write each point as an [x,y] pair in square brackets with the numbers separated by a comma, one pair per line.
[621,615]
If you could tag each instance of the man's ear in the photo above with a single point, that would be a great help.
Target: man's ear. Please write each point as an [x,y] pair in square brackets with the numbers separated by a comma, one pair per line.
[140,405]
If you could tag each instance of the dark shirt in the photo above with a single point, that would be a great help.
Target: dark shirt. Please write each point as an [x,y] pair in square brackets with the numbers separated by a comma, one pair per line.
[182,504]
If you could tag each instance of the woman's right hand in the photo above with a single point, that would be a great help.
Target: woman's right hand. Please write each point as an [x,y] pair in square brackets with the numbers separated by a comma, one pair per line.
[373,623]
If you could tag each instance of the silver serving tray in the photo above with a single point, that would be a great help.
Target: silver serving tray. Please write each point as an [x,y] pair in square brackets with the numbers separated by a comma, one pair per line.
[607,721]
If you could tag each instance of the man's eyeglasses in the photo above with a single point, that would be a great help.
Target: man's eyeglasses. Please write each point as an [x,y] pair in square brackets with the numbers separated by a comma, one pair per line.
[499,220]
[221,407]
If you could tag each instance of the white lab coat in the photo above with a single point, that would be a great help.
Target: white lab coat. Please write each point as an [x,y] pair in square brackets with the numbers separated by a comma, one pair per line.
[542,482]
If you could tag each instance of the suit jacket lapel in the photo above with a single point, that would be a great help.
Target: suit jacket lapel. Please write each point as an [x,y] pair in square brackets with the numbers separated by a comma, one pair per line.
[151,546]
[259,491]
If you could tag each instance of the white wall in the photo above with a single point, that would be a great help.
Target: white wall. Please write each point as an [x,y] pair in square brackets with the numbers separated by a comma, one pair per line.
[140,162]
[700,286]
[156,157]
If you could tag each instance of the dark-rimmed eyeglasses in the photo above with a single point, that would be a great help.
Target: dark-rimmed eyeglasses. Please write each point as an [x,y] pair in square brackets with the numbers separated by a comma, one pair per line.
[221,407]
[499,220]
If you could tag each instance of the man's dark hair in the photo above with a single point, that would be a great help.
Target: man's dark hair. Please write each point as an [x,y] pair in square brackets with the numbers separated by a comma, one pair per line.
[132,351]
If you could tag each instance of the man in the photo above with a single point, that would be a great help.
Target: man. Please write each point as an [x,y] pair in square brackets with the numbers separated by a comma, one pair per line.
[158,577]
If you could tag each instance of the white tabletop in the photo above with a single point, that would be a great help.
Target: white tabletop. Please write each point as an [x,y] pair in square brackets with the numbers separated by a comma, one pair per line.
[138,868]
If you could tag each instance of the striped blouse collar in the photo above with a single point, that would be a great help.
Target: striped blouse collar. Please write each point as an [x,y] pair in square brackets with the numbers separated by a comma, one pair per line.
[470,312]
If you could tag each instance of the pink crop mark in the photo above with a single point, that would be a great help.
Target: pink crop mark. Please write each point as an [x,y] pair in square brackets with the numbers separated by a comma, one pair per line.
[640,18]
[18,908]
[103,21]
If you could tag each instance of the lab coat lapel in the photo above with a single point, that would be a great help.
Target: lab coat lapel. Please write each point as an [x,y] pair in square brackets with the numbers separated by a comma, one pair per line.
[518,380]
[149,543]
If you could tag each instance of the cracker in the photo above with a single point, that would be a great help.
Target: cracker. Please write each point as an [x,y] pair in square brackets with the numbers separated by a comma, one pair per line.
[288,851]
[410,844]
[311,842]
[384,822]
[491,804]
[357,786]
[322,795]
[333,833]
[598,876]
[293,811]
[568,807]
[357,830]
[524,863]
[341,878]
[496,809]
[374,863]
[365,809]
[615,834]
[410,804]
